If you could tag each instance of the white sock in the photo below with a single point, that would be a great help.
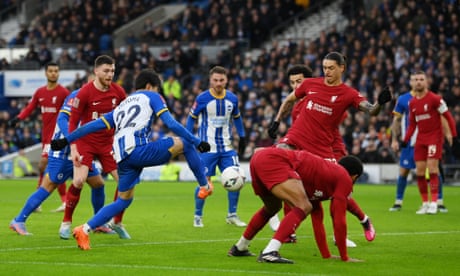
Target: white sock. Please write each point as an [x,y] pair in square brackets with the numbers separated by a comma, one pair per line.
[274,222]
[440,202]
[273,245]
[243,244]
[86,228]
[364,219]
[398,201]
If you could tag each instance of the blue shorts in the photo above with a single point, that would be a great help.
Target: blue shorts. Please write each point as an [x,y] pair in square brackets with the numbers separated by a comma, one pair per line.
[221,159]
[406,159]
[151,154]
[59,170]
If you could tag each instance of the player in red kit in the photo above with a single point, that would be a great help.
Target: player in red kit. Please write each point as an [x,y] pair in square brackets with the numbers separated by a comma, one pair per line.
[94,99]
[323,103]
[302,180]
[425,111]
[49,99]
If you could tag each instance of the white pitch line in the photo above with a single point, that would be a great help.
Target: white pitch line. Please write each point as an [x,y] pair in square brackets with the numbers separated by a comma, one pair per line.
[155,267]
[128,244]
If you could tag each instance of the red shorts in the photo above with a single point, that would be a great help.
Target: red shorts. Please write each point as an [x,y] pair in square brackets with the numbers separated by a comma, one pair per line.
[423,152]
[101,152]
[269,170]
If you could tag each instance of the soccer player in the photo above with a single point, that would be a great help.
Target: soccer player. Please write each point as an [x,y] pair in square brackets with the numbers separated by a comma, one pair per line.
[302,180]
[95,99]
[49,99]
[216,109]
[58,170]
[406,159]
[132,121]
[425,111]
[323,105]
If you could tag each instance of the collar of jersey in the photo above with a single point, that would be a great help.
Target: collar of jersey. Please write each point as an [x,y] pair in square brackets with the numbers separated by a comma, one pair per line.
[211,90]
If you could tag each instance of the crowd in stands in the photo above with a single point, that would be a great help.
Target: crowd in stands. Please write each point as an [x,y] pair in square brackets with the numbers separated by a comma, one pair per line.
[383,46]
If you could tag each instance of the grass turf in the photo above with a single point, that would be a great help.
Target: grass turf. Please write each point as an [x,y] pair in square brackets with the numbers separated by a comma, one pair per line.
[164,242]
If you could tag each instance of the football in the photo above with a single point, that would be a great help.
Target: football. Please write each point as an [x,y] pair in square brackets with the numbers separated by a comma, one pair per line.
[233,178]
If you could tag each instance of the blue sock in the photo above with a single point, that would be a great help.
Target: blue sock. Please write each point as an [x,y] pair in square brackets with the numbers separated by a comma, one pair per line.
[97,198]
[401,187]
[109,211]
[233,201]
[195,163]
[440,195]
[32,203]
[199,203]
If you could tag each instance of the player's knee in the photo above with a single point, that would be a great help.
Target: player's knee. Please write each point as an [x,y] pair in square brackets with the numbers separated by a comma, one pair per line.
[306,206]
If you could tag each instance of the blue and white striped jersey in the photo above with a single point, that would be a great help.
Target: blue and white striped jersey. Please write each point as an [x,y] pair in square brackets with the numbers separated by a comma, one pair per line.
[216,115]
[132,121]
[402,109]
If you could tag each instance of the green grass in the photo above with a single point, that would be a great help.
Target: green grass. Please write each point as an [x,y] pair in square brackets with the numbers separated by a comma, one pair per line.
[164,242]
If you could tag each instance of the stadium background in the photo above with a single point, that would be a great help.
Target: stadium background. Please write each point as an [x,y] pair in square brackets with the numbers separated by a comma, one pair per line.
[256,40]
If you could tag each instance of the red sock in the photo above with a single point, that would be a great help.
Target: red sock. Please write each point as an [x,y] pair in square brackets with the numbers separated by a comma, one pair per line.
[422,187]
[286,209]
[40,178]
[72,199]
[434,186]
[119,217]
[258,221]
[61,189]
[353,207]
[289,224]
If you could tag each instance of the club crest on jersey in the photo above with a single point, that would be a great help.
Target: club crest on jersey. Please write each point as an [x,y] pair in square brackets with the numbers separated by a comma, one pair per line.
[425,107]
[114,101]
[333,99]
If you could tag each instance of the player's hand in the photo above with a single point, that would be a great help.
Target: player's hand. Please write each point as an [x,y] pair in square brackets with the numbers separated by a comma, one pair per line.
[58,144]
[241,146]
[384,96]
[403,144]
[273,129]
[13,122]
[205,191]
[204,146]
[455,147]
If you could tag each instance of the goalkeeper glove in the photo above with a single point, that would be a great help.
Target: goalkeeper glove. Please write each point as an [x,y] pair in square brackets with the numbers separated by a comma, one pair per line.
[59,144]
[205,191]
[204,146]
[273,129]
[384,96]
[403,144]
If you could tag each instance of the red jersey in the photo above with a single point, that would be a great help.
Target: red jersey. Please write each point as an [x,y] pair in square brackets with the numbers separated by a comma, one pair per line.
[315,127]
[425,113]
[90,104]
[322,180]
[50,102]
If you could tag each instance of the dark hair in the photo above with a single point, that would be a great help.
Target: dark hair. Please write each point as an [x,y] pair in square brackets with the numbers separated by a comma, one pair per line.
[218,70]
[103,59]
[147,76]
[337,57]
[352,164]
[51,63]
[296,69]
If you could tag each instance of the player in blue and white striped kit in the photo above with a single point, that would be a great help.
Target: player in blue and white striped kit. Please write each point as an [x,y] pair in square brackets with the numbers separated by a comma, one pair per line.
[406,158]
[58,170]
[216,109]
[134,150]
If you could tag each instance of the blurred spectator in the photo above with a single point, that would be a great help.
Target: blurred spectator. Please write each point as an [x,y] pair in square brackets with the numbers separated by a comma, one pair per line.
[22,166]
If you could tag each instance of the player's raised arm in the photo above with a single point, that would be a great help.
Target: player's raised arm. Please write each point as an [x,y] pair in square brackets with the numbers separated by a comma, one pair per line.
[105,122]
[374,109]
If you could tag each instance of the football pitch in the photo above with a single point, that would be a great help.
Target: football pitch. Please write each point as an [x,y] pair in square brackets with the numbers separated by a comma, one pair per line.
[164,241]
